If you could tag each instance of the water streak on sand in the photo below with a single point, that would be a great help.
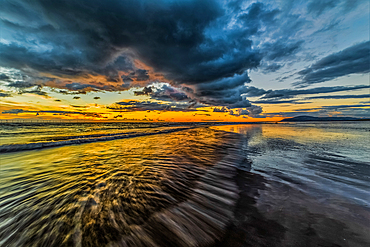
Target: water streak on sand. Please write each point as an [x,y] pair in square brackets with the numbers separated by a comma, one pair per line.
[202,219]
[121,191]
[82,139]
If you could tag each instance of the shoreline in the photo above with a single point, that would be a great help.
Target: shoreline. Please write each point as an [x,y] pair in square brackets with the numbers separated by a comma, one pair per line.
[227,203]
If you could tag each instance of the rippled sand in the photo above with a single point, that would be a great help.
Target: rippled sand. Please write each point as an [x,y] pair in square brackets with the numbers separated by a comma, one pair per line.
[98,193]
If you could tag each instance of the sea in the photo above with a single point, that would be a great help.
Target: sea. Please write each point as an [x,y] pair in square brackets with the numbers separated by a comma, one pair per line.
[185,184]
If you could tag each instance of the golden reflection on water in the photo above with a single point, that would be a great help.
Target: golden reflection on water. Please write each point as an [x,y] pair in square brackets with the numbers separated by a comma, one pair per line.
[305,132]
[90,194]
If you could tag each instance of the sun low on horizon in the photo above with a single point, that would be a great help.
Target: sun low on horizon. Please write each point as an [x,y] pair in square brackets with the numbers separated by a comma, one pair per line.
[184,61]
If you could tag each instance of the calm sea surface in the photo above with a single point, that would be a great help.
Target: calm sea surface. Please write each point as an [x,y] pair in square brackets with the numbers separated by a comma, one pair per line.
[301,184]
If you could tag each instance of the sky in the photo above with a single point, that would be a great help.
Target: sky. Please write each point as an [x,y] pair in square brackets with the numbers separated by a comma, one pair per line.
[189,60]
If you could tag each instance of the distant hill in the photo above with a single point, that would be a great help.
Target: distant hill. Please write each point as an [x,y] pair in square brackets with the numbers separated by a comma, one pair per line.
[309,118]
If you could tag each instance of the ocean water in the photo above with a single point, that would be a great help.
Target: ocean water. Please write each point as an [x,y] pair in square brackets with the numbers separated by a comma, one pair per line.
[130,184]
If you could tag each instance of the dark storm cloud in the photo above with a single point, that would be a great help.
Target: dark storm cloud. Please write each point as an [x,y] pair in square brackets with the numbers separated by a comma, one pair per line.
[149,106]
[137,75]
[164,93]
[185,41]
[93,33]
[224,92]
[168,93]
[352,60]
[141,75]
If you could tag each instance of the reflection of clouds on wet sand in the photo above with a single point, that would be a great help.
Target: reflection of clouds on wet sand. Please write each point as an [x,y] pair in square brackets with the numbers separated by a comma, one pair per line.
[301,190]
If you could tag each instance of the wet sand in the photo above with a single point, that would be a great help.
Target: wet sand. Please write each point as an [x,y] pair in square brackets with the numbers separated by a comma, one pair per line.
[207,198]
[273,214]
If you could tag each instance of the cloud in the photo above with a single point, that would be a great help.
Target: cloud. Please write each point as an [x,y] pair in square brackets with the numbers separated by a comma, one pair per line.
[70,93]
[318,7]
[204,49]
[289,93]
[356,96]
[139,43]
[150,106]
[79,106]
[352,60]
[145,91]
[330,26]
[221,109]
[17,111]
[360,111]
[86,114]
[336,107]
[252,111]
[5,94]
[36,91]
[164,92]
[273,102]
[277,95]
[4,77]
[254,92]
[271,68]
[21,84]
[281,49]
